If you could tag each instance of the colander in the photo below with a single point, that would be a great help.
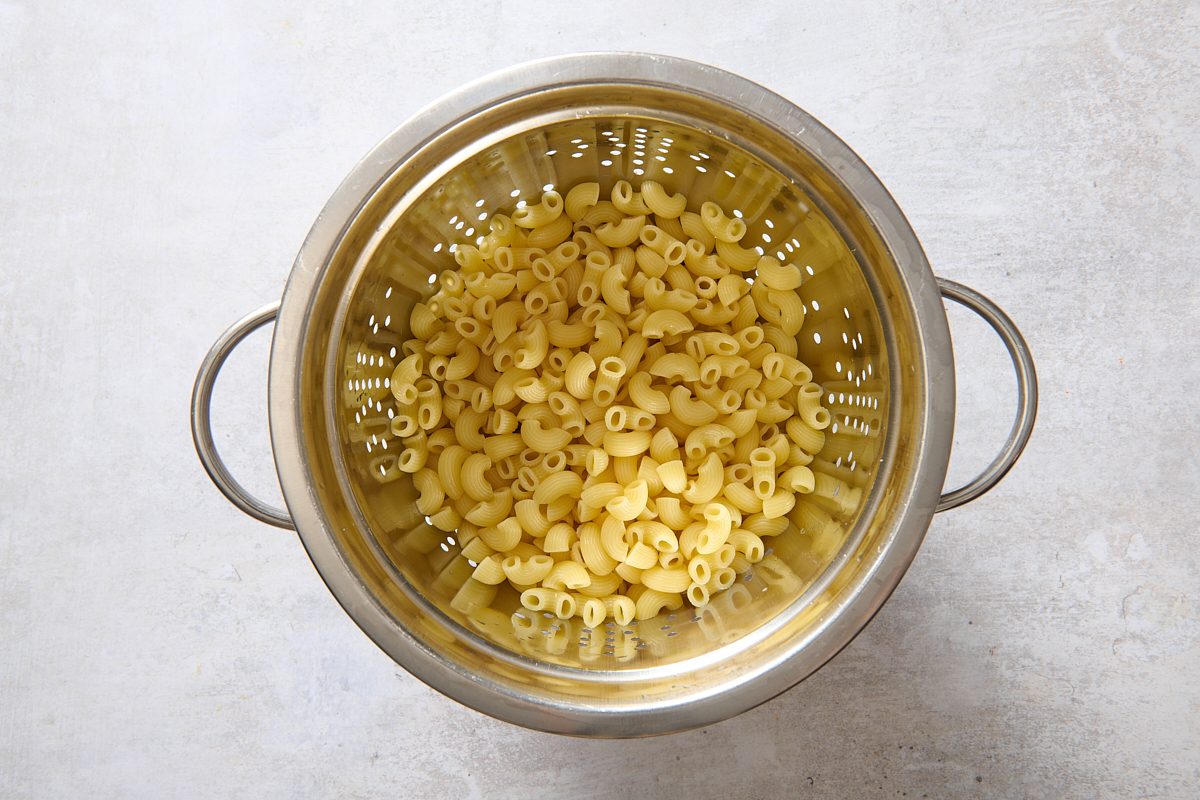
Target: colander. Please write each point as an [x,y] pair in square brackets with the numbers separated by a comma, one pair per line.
[875,336]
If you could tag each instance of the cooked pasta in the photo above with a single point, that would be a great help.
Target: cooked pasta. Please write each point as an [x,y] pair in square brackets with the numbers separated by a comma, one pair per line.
[602,401]
[491,511]
[660,203]
[581,198]
[542,214]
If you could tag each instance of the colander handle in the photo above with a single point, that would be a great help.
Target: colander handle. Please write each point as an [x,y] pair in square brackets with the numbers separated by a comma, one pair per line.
[1027,393]
[202,433]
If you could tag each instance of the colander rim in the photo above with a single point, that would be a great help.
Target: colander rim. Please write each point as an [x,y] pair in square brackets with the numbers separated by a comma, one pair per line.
[286,419]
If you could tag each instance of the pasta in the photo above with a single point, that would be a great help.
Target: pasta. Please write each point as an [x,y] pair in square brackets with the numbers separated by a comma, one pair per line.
[668,248]
[581,198]
[660,203]
[762,464]
[601,399]
[542,214]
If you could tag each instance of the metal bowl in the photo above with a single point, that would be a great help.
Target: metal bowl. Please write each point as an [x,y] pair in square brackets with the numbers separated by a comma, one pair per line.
[875,335]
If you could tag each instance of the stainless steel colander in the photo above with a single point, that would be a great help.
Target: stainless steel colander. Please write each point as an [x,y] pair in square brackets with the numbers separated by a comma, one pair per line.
[875,336]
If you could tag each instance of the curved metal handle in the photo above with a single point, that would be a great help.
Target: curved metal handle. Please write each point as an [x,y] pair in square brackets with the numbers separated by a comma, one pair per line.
[1027,393]
[202,434]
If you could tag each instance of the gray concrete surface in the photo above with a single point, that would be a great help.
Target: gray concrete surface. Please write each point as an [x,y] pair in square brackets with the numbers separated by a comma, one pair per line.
[159,166]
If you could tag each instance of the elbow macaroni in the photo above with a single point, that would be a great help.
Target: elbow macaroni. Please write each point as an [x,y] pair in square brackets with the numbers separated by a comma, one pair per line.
[604,402]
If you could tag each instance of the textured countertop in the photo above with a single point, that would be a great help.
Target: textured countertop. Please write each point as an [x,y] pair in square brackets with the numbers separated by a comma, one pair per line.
[159,167]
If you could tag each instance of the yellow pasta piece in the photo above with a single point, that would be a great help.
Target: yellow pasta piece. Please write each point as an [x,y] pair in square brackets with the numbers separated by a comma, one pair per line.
[741,259]
[708,483]
[595,556]
[621,608]
[666,580]
[704,265]
[612,538]
[603,211]
[671,513]
[723,579]
[762,463]
[505,319]
[559,538]
[608,377]
[660,203]
[478,549]
[694,228]
[659,298]
[790,310]
[665,322]
[808,404]
[731,289]
[645,397]
[551,234]
[501,446]
[748,544]
[676,366]
[742,497]
[449,469]
[619,418]
[472,478]
[535,216]
[798,479]
[631,502]
[431,495]
[541,439]
[655,534]
[602,585]
[699,570]
[630,574]
[527,572]
[717,526]
[567,575]
[626,200]
[491,511]
[673,476]
[648,471]
[779,503]
[722,228]
[664,446]
[706,287]
[626,443]
[489,571]
[530,518]
[560,603]
[580,199]
[641,556]
[668,247]
[598,494]
[621,234]
[651,602]
[652,265]
[776,275]
[778,444]
[557,485]
[503,536]
[561,334]
[689,410]
[596,462]
[704,438]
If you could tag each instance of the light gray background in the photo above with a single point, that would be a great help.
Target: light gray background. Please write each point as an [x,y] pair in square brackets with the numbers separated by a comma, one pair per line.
[159,167]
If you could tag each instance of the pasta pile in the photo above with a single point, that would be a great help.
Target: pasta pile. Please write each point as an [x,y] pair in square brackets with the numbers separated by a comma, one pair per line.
[603,402]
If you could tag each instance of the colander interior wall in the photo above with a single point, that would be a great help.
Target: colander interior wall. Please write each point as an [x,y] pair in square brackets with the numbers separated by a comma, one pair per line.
[794,207]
